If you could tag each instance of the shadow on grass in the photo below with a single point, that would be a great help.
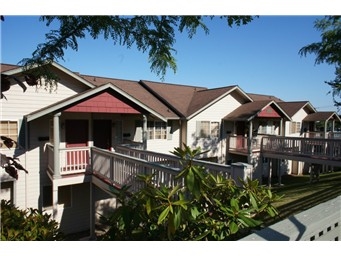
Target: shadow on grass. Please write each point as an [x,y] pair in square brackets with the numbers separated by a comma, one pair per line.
[299,194]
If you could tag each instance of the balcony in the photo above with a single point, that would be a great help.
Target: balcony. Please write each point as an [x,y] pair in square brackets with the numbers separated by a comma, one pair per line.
[240,144]
[71,160]
[120,168]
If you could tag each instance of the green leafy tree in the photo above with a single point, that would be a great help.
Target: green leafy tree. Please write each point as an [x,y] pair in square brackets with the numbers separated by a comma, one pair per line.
[152,34]
[27,225]
[201,206]
[328,50]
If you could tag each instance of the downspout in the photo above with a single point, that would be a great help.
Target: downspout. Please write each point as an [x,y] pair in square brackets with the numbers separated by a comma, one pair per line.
[249,142]
[26,147]
[92,213]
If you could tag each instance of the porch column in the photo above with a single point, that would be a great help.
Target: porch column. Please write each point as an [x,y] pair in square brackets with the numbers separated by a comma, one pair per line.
[281,128]
[92,213]
[54,199]
[56,142]
[144,132]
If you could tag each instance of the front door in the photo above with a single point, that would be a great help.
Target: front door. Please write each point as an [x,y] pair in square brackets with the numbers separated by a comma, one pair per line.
[102,133]
[76,135]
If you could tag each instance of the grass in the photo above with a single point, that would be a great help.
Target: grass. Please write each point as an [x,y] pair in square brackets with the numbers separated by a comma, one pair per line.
[299,194]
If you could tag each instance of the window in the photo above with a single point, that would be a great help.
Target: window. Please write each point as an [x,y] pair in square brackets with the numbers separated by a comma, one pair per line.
[64,196]
[207,129]
[10,130]
[266,127]
[156,130]
[295,127]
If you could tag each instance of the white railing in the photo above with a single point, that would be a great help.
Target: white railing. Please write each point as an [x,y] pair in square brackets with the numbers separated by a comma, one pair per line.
[120,169]
[71,160]
[240,143]
[174,161]
[323,149]
[319,223]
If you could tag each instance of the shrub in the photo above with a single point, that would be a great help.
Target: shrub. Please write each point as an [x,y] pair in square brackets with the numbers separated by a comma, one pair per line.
[27,225]
[203,207]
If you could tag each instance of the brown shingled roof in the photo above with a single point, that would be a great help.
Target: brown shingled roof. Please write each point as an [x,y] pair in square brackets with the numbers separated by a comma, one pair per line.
[6,67]
[322,116]
[176,96]
[135,90]
[248,111]
[292,107]
[184,99]
[203,98]
[262,97]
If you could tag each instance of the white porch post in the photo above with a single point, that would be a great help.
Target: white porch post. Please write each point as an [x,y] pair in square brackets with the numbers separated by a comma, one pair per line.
[92,213]
[56,142]
[54,199]
[144,132]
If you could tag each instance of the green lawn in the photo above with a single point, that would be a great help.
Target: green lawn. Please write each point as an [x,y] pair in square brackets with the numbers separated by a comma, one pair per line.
[299,194]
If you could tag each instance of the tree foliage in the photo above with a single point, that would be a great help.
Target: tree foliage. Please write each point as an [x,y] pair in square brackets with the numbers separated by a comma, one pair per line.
[202,206]
[328,50]
[152,34]
[27,225]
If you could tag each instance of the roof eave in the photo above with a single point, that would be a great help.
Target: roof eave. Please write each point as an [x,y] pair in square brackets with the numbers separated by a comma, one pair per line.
[217,99]
[56,65]
[63,104]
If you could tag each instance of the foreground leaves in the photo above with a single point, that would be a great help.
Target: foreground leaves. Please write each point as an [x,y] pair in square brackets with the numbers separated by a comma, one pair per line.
[201,207]
[27,225]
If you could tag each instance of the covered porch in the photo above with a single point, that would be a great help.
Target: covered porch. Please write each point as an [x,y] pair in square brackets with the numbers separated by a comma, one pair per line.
[324,125]
[249,123]
[102,117]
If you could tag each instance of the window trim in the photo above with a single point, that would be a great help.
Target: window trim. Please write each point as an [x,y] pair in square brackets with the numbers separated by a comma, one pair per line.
[8,134]
[200,129]
[157,126]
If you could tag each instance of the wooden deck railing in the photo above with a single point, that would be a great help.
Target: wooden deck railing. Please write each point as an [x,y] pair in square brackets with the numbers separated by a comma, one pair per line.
[120,169]
[173,161]
[72,160]
[241,143]
[311,149]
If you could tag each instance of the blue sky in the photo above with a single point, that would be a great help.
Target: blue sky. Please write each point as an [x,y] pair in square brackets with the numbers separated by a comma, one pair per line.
[261,57]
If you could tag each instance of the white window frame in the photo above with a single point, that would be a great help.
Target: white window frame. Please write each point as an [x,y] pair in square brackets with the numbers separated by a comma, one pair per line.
[7,131]
[208,129]
[295,127]
[156,130]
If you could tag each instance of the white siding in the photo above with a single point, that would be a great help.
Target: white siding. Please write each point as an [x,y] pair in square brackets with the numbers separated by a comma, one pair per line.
[167,145]
[298,117]
[20,103]
[214,113]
